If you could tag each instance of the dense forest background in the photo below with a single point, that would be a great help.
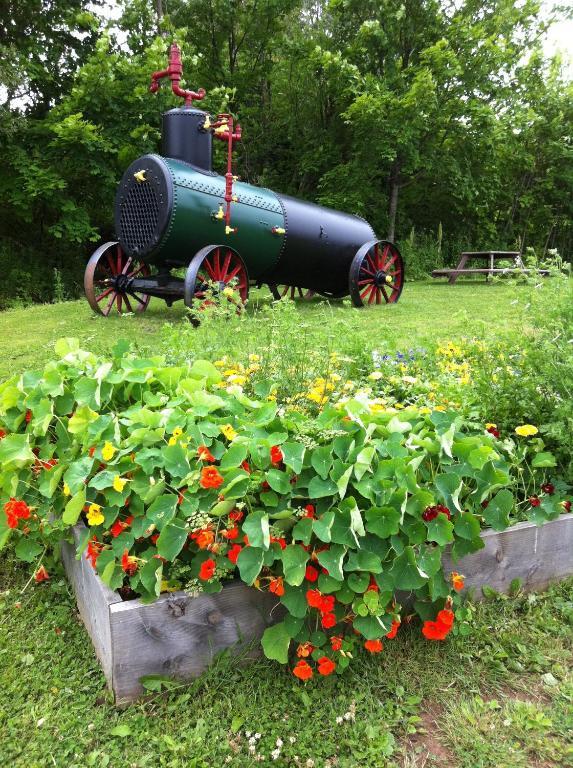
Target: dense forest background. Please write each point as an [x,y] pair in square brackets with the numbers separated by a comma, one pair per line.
[440,122]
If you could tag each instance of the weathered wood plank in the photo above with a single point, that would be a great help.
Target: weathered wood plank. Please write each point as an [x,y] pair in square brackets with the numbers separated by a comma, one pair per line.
[536,555]
[94,599]
[179,635]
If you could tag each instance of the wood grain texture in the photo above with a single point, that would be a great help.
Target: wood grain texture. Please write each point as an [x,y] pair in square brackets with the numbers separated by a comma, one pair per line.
[178,635]
[536,555]
[94,599]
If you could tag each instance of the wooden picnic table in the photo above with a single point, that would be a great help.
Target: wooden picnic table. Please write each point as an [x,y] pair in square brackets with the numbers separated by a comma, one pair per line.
[490,257]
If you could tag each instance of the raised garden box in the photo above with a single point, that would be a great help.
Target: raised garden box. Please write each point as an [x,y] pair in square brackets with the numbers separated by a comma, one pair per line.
[177,636]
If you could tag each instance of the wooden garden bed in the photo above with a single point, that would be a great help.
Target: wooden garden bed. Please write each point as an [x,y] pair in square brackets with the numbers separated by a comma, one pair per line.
[177,636]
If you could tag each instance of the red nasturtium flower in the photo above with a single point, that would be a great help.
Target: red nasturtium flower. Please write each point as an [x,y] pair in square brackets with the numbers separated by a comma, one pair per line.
[210,478]
[304,650]
[277,587]
[374,646]
[2,434]
[328,620]
[327,604]
[439,629]
[234,553]
[548,488]
[128,563]
[120,525]
[94,551]
[493,430]
[311,574]
[326,666]
[458,581]
[41,575]
[203,537]
[302,670]
[309,511]
[16,510]
[236,515]
[279,540]
[28,416]
[276,455]
[336,642]
[231,533]
[205,454]
[373,586]
[314,598]
[394,631]
[566,505]
[534,501]
[430,513]
[207,569]
[246,466]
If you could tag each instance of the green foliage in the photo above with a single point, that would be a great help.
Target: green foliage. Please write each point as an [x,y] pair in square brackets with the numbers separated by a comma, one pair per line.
[176,472]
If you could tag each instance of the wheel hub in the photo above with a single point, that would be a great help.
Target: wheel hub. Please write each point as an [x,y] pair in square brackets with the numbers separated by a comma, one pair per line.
[122,282]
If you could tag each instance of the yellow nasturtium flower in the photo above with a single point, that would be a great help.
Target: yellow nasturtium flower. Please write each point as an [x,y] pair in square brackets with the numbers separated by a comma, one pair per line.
[489,425]
[108,451]
[229,432]
[67,491]
[95,516]
[119,483]
[172,441]
[177,432]
[526,430]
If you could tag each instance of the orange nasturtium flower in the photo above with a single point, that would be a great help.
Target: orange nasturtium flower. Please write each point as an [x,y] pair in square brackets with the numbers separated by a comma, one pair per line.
[205,454]
[276,455]
[374,646]
[41,575]
[210,478]
[16,510]
[302,670]
[458,581]
[304,650]
[277,587]
[207,569]
[394,630]
[128,563]
[326,666]
[203,537]
[439,629]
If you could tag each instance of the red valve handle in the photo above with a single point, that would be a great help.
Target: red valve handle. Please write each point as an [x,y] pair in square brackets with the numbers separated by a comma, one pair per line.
[175,71]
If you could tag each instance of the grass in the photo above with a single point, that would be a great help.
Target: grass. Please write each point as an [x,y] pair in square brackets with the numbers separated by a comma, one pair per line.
[500,695]
[426,312]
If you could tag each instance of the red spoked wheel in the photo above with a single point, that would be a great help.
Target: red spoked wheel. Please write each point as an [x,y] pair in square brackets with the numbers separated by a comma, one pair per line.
[215,268]
[376,274]
[107,281]
[290,291]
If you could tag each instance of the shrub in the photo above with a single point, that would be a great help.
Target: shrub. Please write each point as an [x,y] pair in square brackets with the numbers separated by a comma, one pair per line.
[183,481]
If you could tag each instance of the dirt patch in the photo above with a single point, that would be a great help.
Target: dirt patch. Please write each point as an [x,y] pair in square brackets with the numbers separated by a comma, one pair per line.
[425,749]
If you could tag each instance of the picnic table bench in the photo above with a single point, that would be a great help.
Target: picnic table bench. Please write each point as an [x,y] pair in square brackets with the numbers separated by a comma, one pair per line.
[490,257]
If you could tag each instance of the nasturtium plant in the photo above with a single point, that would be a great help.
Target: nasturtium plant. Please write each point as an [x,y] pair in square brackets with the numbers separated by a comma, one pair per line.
[179,481]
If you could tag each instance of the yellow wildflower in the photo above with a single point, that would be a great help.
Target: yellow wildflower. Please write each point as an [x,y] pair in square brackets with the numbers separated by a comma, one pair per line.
[237,379]
[526,430]
[228,292]
[172,441]
[439,407]
[94,515]
[375,375]
[254,358]
[220,363]
[335,377]
[67,491]
[424,409]
[108,451]
[177,432]
[230,372]
[229,432]
[119,483]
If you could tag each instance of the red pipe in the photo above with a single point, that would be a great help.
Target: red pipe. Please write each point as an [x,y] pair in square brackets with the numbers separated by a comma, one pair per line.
[175,71]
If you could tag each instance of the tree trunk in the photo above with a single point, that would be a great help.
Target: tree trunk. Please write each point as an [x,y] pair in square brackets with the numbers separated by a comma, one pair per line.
[159,13]
[393,189]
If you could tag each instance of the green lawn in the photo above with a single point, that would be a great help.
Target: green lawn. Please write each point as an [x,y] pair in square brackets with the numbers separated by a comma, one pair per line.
[501,695]
[426,312]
